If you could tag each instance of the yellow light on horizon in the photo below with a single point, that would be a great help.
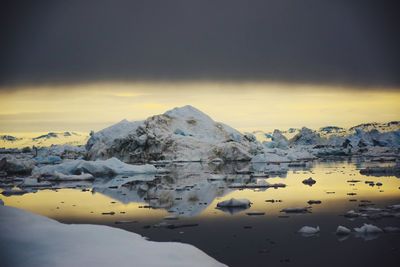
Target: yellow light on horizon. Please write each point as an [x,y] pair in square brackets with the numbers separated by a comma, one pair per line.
[245,106]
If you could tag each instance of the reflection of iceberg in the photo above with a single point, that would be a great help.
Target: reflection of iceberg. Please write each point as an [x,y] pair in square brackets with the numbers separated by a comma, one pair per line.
[367,236]
[368,232]
[184,198]
[121,180]
[342,238]
[232,210]
[184,192]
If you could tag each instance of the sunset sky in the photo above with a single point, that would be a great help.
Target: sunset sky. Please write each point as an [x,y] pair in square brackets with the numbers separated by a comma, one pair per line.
[246,106]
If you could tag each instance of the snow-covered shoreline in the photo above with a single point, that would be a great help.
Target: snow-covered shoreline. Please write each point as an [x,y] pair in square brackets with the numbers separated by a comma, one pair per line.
[27,239]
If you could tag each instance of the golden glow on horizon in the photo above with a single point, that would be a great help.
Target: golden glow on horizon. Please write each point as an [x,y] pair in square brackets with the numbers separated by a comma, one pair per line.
[245,106]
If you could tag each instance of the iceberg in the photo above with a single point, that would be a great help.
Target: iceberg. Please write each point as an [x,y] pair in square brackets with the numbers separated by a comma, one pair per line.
[181,134]
[98,168]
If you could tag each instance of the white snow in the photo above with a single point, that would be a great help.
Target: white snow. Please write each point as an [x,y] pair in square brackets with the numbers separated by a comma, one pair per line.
[107,167]
[34,240]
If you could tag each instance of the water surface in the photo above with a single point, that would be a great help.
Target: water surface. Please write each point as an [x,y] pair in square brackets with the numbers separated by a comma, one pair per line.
[232,236]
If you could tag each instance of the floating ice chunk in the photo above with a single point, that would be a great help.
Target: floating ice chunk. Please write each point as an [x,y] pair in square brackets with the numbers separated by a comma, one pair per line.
[368,229]
[370,209]
[171,217]
[352,214]
[308,230]
[234,203]
[296,210]
[311,202]
[394,207]
[72,177]
[48,159]
[33,182]
[310,181]
[109,167]
[391,229]
[341,230]
[255,213]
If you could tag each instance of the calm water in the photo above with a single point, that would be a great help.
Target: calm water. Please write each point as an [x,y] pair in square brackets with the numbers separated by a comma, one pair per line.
[232,236]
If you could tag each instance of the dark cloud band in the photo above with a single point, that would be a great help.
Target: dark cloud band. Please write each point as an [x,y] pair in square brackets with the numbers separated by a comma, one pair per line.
[313,41]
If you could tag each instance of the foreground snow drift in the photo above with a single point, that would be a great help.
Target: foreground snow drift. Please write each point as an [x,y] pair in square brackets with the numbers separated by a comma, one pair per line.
[31,240]
[109,167]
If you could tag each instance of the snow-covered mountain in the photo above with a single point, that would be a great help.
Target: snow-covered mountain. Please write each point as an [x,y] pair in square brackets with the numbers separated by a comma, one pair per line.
[180,134]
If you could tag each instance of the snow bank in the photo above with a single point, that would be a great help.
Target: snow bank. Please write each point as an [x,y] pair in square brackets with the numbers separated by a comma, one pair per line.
[34,240]
[109,167]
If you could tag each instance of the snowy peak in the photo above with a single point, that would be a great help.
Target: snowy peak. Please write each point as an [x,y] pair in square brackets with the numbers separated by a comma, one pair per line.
[188,112]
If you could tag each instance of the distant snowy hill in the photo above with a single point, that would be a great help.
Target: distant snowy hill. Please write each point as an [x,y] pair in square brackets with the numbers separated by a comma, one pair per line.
[20,140]
[331,131]
[369,139]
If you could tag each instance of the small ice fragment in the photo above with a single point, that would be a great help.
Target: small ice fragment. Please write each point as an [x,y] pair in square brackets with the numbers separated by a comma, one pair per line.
[234,203]
[308,230]
[341,230]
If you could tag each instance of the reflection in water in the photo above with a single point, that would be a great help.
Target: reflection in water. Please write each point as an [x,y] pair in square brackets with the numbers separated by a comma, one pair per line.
[192,189]
[181,206]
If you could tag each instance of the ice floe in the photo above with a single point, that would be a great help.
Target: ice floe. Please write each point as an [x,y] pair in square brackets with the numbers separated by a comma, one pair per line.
[109,167]
[341,230]
[87,245]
